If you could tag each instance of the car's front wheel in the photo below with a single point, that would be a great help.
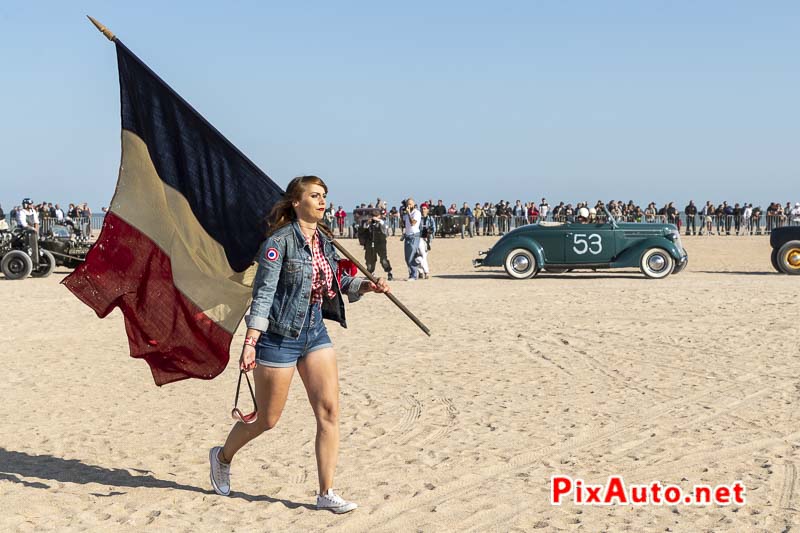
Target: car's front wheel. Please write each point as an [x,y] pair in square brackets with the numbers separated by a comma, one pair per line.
[520,264]
[16,265]
[774,258]
[789,258]
[657,263]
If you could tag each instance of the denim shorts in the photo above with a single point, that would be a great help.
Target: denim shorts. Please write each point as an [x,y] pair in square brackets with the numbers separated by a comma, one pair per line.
[279,351]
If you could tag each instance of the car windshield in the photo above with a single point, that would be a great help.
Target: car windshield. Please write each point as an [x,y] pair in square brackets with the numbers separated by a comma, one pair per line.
[60,231]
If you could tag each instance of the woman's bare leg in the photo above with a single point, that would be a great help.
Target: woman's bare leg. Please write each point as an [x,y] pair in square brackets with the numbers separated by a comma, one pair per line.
[272,389]
[320,376]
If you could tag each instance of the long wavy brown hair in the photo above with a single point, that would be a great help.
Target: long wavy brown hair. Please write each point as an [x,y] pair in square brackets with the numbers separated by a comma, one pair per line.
[282,212]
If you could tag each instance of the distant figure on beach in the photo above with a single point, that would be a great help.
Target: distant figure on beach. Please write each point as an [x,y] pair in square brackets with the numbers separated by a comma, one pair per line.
[427,230]
[340,215]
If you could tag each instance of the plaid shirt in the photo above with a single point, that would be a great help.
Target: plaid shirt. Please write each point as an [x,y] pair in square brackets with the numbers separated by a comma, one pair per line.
[322,278]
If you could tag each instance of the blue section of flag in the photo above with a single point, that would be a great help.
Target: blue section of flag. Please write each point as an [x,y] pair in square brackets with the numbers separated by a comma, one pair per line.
[230,196]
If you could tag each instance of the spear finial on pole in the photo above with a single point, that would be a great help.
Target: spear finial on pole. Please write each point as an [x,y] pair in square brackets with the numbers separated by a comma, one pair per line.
[105,31]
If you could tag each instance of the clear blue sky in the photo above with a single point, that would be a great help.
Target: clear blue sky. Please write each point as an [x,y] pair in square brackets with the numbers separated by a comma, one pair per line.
[465,101]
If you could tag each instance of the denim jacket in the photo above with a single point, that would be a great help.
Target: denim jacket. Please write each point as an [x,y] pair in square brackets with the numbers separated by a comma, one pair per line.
[282,286]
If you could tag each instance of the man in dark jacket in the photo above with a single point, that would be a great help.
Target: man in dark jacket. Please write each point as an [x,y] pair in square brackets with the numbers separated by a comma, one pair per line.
[720,215]
[466,225]
[672,213]
[728,212]
[372,235]
[439,210]
[691,216]
[737,217]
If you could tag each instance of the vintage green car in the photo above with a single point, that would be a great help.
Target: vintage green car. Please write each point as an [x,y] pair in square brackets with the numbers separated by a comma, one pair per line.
[556,247]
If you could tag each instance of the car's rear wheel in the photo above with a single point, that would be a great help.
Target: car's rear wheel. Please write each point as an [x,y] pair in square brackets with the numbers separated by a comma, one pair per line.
[774,258]
[16,265]
[656,263]
[47,264]
[520,264]
[789,258]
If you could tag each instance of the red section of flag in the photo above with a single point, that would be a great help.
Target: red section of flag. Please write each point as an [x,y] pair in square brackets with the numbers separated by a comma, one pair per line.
[126,269]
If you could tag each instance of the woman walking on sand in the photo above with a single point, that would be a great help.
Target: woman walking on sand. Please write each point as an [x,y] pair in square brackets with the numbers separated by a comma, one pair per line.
[294,289]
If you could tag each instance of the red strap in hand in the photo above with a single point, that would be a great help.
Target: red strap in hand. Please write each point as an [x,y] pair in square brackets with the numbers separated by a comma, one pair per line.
[347,267]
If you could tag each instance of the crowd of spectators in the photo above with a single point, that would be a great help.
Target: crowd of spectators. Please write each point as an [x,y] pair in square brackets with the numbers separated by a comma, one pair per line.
[490,218]
[76,216]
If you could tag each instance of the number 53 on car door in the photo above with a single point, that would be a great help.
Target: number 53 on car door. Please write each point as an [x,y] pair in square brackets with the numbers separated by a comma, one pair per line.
[592,243]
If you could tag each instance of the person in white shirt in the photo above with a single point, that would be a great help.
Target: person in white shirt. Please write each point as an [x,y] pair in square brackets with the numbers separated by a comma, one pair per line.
[544,208]
[411,219]
[427,229]
[27,217]
[795,214]
[59,214]
[28,220]
[746,216]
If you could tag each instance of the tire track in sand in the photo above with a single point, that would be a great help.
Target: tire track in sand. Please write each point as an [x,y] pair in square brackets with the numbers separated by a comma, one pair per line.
[788,488]
[645,473]
[407,424]
[451,414]
[593,436]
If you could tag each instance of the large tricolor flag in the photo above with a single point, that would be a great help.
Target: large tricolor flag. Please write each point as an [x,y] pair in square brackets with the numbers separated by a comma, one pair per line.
[185,224]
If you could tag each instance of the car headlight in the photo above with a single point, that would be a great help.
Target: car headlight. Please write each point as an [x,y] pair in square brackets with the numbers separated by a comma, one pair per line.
[675,236]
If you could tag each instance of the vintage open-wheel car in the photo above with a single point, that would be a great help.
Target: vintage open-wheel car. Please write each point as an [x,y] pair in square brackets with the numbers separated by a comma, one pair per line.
[21,256]
[69,248]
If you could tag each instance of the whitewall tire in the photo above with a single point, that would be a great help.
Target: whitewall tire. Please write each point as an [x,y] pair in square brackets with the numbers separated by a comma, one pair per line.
[657,263]
[520,263]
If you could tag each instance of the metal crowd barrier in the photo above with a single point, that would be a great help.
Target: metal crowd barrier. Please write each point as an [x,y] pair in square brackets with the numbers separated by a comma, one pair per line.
[46,224]
[758,224]
[97,221]
[448,225]
[81,225]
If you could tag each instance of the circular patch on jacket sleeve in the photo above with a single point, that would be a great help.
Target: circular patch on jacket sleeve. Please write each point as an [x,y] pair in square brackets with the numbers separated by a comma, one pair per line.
[272,254]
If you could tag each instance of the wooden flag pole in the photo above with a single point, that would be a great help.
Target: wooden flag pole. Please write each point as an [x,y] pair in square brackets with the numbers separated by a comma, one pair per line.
[372,278]
[105,31]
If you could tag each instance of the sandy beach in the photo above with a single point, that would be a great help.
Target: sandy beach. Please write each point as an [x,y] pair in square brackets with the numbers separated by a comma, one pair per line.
[687,380]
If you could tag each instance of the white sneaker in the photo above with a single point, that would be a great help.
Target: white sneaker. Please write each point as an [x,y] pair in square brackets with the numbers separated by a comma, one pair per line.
[220,473]
[334,503]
